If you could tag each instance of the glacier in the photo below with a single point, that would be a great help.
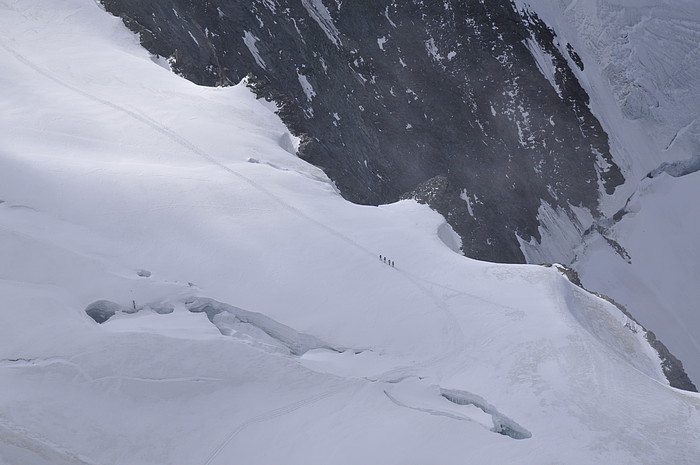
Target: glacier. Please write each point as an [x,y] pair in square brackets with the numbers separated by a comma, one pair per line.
[123,182]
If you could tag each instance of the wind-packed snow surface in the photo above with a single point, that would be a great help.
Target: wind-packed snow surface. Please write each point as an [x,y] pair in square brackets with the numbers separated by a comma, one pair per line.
[246,315]
[642,71]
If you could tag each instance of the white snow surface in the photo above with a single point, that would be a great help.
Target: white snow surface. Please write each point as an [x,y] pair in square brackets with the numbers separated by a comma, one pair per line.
[306,87]
[249,40]
[544,62]
[316,351]
[319,13]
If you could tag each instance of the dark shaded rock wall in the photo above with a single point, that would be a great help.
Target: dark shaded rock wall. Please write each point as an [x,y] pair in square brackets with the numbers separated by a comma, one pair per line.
[391,94]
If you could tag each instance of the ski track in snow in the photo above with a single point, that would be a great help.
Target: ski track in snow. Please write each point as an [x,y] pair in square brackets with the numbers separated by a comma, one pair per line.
[455,344]
[270,415]
[31,441]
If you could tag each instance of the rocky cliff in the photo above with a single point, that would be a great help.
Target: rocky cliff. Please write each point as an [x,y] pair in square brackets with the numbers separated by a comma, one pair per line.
[388,95]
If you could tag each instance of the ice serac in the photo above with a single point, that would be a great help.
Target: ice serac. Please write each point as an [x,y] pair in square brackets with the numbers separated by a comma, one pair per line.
[389,95]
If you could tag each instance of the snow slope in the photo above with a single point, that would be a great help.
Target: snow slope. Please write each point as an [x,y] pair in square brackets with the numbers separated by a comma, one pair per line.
[659,283]
[254,321]
[642,71]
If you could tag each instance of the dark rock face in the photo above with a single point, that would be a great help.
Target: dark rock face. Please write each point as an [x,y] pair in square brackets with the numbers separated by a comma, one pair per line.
[391,94]
[671,366]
